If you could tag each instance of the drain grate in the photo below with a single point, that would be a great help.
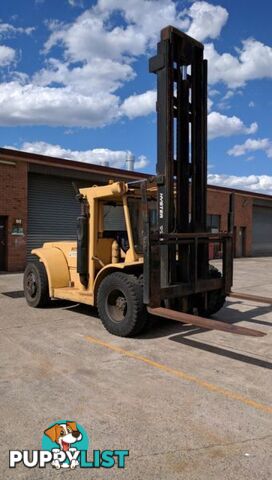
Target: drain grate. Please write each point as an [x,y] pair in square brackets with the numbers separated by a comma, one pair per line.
[15,294]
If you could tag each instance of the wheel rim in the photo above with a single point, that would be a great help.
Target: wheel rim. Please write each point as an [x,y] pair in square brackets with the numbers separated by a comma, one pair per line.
[31,284]
[116,305]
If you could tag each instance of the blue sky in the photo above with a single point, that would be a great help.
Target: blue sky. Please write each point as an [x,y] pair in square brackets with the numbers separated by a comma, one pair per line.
[75,83]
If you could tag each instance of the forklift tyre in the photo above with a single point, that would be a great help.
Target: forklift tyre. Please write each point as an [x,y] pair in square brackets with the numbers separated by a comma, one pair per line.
[120,304]
[36,285]
[216,298]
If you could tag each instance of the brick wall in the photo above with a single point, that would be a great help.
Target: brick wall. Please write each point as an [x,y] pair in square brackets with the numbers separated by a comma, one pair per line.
[218,204]
[13,205]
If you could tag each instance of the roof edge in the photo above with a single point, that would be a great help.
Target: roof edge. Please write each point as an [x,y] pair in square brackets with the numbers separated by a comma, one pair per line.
[20,155]
[37,158]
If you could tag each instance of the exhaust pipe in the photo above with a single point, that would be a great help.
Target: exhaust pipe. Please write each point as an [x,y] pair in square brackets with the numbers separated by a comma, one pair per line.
[82,239]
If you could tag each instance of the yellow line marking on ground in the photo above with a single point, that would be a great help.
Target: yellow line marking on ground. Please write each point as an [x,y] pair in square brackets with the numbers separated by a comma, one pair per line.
[184,376]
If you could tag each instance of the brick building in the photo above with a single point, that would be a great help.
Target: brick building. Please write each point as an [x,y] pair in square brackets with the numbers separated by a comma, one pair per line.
[218,206]
[37,204]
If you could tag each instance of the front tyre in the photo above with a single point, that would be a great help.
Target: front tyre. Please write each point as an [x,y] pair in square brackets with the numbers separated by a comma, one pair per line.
[216,298]
[36,285]
[120,304]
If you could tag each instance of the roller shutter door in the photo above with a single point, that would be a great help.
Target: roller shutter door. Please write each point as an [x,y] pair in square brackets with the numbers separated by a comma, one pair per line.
[262,231]
[52,210]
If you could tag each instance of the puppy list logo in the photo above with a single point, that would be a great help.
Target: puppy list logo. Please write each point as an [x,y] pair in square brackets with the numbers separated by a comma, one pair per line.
[65,445]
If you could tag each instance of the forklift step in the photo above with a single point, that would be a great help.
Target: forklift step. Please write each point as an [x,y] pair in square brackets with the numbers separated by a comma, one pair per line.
[204,322]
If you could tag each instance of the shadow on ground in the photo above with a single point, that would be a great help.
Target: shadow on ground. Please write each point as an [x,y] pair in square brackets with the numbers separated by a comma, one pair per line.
[178,332]
[223,352]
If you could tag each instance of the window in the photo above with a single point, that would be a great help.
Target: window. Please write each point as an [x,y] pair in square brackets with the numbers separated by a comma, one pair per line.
[213,223]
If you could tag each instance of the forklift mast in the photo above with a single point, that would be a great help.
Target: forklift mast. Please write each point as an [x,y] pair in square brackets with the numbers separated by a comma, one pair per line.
[177,255]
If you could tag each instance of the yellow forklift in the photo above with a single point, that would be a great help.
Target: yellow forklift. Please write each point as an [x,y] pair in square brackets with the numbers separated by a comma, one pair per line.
[160,264]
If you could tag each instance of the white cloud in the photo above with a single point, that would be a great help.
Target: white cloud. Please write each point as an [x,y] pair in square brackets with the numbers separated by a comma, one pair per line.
[81,87]
[251,104]
[93,34]
[213,92]
[222,126]
[84,95]
[8,30]
[218,125]
[224,102]
[93,39]
[76,3]
[207,20]
[139,105]
[229,94]
[101,75]
[254,183]
[209,104]
[7,55]
[252,145]
[254,61]
[33,105]
[98,156]
[104,54]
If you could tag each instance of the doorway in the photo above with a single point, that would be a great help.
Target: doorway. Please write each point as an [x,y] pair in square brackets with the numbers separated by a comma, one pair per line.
[241,242]
[3,243]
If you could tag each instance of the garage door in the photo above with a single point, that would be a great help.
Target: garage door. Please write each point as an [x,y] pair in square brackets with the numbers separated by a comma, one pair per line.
[262,231]
[53,210]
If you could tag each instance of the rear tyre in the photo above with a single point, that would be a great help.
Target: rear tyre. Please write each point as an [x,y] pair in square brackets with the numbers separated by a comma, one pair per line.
[120,304]
[36,285]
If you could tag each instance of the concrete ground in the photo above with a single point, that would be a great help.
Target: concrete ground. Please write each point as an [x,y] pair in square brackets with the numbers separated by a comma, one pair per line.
[187,403]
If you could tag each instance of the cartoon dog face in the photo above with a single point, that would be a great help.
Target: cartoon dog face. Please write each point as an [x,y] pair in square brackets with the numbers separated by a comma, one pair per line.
[64,434]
